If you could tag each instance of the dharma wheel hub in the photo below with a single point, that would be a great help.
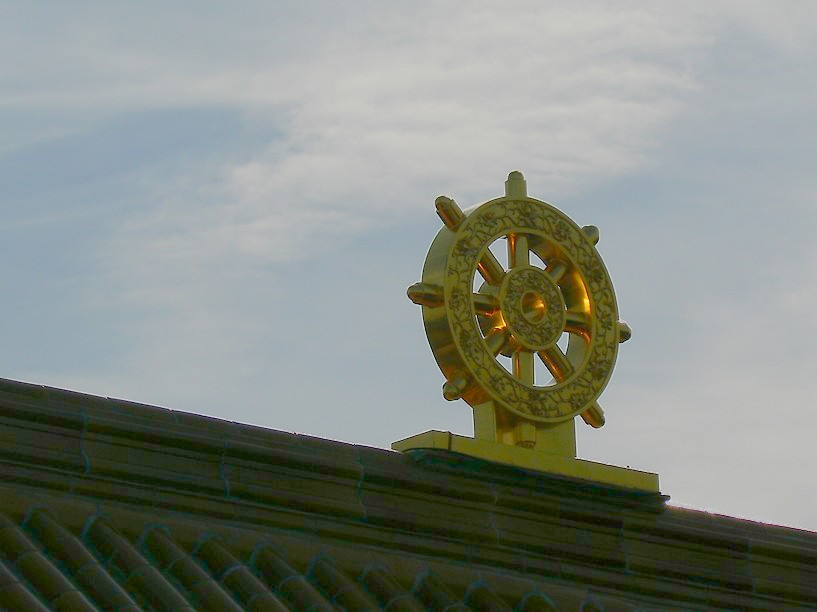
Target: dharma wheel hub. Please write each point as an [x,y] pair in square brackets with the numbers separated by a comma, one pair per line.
[521,317]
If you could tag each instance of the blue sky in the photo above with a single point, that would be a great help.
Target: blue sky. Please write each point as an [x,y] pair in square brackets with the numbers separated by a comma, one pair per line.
[218,210]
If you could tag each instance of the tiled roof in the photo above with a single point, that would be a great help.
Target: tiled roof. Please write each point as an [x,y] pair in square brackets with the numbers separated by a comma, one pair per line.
[111,505]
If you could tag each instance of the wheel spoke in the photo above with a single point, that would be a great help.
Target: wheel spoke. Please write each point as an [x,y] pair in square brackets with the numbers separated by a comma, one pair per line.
[523,367]
[624,332]
[557,270]
[490,269]
[556,362]
[496,339]
[578,323]
[518,252]
[426,294]
[594,415]
[485,305]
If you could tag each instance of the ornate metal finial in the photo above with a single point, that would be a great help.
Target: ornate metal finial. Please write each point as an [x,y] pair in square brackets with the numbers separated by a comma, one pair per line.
[521,317]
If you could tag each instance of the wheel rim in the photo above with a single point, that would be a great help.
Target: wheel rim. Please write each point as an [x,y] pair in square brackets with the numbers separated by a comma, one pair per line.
[521,310]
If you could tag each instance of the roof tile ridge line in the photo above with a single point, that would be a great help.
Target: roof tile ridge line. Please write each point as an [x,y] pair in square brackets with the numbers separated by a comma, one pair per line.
[372,567]
[86,460]
[174,414]
[419,578]
[146,530]
[388,574]
[322,555]
[750,555]
[624,541]
[360,481]
[492,514]
[30,513]
[89,523]
[201,541]
[40,564]
[235,567]
[476,584]
[222,466]
[405,595]
[592,598]
[83,439]
[319,556]
[199,544]
[415,591]
[418,581]
[83,569]
[384,569]
[535,593]
[280,586]
[276,548]
[309,574]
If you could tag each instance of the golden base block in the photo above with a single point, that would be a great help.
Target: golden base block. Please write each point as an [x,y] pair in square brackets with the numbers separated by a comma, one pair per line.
[532,460]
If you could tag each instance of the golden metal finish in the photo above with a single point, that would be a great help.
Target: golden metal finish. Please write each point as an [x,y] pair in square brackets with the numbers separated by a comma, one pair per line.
[449,212]
[530,344]
[533,460]
[426,295]
[562,312]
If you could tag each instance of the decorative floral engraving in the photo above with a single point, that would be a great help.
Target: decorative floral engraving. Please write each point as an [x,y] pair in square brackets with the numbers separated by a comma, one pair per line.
[533,334]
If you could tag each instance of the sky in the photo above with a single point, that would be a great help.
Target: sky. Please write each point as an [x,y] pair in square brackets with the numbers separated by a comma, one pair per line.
[218,209]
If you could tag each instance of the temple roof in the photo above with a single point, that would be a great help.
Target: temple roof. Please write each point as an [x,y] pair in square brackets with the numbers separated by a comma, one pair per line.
[109,504]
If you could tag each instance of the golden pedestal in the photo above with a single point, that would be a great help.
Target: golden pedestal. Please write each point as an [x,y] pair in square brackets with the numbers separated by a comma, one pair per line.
[531,459]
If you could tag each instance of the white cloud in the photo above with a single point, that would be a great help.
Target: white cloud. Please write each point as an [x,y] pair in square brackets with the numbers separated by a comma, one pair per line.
[454,100]
[787,25]
[381,113]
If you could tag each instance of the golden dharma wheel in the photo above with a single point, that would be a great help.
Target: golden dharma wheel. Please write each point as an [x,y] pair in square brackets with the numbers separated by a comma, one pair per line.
[510,282]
